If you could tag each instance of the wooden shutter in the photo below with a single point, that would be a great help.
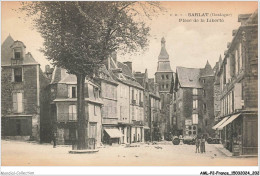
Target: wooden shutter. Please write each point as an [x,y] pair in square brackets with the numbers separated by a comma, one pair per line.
[237,96]
[15,102]
[19,102]
[12,75]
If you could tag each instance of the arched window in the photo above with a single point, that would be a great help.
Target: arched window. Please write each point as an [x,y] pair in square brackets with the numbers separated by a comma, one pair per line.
[162,76]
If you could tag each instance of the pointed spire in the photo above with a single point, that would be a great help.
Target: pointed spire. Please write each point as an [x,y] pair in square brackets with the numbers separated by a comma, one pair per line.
[163,42]
[220,58]
[207,71]
[163,54]
[207,64]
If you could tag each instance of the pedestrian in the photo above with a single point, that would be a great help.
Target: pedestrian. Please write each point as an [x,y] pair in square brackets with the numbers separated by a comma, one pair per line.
[202,146]
[197,143]
[54,139]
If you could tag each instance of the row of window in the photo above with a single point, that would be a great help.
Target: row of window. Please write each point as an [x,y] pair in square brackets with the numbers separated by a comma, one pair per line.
[195,92]
[137,113]
[92,91]
[165,86]
[232,100]
[136,96]
[73,112]
[165,77]
[233,65]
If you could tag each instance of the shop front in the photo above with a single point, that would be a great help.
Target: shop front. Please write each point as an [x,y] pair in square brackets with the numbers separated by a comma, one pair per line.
[238,133]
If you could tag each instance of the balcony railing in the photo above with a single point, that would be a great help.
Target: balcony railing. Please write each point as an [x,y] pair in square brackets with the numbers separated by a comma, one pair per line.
[16,61]
[141,123]
[134,102]
[141,104]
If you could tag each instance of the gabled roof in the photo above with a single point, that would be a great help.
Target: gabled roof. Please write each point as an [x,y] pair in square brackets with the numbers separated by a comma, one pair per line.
[126,76]
[60,75]
[108,74]
[7,53]
[125,69]
[188,77]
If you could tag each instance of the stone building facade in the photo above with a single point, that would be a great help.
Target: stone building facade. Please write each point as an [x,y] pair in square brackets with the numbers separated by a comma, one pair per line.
[63,108]
[108,94]
[130,101]
[164,79]
[193,98]
[22,87]
[151,106]
[238,77]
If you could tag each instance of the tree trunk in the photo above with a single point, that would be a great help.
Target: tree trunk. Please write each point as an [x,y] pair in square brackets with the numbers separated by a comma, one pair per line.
[82,122]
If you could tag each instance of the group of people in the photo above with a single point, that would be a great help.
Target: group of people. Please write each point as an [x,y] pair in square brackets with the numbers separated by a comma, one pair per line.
[200,144]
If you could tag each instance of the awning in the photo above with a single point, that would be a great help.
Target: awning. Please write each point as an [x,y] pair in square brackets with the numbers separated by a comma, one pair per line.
[146,127]
[219,123]
[114,133]
[233,117]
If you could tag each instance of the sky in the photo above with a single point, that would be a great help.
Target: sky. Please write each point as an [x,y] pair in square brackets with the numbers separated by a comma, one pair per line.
[189,44]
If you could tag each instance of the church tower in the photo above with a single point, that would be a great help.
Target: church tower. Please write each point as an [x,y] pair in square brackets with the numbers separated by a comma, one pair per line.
[164,79]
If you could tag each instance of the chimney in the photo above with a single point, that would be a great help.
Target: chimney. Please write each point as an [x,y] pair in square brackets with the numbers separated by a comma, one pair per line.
[129,64]
[47,68]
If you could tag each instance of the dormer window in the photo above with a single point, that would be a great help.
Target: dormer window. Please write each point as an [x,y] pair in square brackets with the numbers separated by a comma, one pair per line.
[17,55]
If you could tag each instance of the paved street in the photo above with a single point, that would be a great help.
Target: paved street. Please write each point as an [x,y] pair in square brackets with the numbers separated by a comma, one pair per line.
[162,154]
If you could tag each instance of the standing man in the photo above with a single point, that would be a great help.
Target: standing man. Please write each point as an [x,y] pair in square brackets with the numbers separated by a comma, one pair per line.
[197,143]
[54,139]
[202,146]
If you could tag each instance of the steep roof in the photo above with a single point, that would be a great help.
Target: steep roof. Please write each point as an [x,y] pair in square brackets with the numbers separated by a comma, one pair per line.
[188,77]
[207,70]
[125,69]
[7,53]
[60,75]
[163,54]
[164,66]
[127,78]
[163,59]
